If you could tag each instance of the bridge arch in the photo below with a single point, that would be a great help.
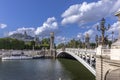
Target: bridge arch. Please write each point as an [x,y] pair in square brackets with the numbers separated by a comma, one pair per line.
[65,55]
[72,55]
[113,74]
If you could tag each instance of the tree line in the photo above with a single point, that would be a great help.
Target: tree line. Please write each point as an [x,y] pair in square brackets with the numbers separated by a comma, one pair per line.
[79,44]
[10,43]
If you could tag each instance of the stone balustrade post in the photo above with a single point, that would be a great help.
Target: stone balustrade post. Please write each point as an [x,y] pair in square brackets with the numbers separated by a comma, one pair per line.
[90,60]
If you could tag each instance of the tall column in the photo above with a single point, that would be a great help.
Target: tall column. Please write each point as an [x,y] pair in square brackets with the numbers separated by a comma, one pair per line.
[52,50]
[99,63]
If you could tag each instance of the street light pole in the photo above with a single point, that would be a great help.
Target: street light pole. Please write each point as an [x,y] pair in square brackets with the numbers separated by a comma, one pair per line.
[112,37]
[102,28]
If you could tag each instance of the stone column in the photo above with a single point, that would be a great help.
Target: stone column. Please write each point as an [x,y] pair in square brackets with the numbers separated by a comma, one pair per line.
[99,63]
[52,49]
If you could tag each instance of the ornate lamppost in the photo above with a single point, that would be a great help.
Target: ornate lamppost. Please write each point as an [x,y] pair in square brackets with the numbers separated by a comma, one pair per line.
[112,37]
[102,28]
[96,39]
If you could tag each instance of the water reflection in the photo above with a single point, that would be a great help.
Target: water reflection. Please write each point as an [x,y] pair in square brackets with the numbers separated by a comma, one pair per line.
[41,69]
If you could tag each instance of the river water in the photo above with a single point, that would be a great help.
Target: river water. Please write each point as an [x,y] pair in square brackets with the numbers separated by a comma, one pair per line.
[44,69]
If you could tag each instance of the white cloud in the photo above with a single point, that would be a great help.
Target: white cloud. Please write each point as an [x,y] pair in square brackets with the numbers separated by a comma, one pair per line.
[50,25]
[114,27]
[88,12]
[29,31]
[61,39]
[90,32]
[2,26]
[119,9]
[116,6]
[80,35]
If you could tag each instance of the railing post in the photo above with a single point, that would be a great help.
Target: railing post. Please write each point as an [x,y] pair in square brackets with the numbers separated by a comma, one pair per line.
[90,60]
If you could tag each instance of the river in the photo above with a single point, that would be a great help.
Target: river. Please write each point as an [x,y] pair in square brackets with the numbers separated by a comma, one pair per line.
[44,69]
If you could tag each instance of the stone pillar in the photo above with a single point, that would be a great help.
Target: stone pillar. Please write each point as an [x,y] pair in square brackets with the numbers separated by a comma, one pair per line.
[99,63]
[115,48]
[52,49]
[90,60]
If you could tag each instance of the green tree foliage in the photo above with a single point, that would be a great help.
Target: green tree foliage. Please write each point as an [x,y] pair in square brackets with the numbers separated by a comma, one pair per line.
[45,43]
[93,45]
[60,45]
[75,44]
[8,43]
[71,44]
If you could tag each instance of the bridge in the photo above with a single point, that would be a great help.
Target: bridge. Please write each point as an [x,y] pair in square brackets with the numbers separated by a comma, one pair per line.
[84,56]
[102,62]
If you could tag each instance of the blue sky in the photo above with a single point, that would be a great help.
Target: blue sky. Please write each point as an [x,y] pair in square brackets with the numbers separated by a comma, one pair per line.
[67,18]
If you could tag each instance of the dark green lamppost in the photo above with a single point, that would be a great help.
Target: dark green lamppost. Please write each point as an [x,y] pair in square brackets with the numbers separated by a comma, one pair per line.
[102,28]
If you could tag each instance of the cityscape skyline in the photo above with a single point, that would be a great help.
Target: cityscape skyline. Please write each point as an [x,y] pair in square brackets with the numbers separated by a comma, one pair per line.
[68,19]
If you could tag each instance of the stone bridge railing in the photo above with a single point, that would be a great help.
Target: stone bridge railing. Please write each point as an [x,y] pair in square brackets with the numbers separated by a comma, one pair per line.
[88,55]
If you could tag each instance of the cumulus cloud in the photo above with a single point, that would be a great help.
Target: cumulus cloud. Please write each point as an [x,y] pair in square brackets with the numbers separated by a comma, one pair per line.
[48,26]
[115,27]
[62,39]
[2,26]
[90,32]
[88,12]
[116,6]
[29,31]
[80,35]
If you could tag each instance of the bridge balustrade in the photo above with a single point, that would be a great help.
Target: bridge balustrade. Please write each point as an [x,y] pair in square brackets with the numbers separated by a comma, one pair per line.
[88,55]
[106,53]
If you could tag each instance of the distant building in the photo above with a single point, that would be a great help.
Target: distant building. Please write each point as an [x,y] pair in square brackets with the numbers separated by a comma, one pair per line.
[25,37]
[37,41]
